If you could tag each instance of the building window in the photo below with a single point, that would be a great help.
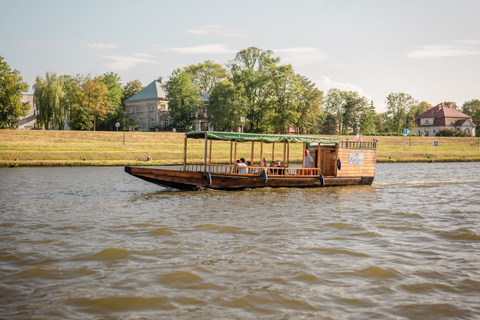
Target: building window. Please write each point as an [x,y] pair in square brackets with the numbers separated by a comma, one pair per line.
[152,123]
[162,107]
[151,107]
[167,123]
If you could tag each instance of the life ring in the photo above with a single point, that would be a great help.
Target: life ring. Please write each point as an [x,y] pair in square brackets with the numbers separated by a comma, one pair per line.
[322,180]
[264,175]
[209,178]
[339,164]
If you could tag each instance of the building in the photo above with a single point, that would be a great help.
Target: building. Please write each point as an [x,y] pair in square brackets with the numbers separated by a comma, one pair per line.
[443,116]
[28,122]
[149,108]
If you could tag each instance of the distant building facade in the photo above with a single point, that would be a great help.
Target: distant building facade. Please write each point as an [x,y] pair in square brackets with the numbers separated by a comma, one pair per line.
[149,108]
[28,122]
[443,116]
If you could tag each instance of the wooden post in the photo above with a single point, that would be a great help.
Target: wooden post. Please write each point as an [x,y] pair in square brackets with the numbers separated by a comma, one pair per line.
[261,153]
[210,152]
[284,154]
[185,154]
[231,150]
[235,155]
[303,154]
[253,148]
[206,151]
[273,152]
[288,154]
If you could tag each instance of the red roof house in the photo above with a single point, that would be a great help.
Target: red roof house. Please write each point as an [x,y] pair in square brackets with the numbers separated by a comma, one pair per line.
[443,116]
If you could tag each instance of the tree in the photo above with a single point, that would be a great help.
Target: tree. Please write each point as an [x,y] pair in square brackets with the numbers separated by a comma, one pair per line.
[334,104]
[50,100]
[398,105]
[472,109]
[115,95]
[183,100]
[368,119]
[227,105]
[309,106]
[90,102]
[130,89]
[252,68]
[11,88]
[206,75]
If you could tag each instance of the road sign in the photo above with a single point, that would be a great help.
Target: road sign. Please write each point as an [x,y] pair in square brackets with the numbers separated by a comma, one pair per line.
[405,132]
[436,144]
[242,119]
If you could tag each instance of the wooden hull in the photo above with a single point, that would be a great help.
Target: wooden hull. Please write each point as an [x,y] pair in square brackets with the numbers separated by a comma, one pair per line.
[190,180]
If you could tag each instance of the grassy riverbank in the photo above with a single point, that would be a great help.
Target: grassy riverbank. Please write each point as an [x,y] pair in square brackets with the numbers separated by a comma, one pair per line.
[72,148]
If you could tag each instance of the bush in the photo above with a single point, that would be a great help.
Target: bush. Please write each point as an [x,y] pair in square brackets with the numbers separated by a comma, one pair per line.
[452,133]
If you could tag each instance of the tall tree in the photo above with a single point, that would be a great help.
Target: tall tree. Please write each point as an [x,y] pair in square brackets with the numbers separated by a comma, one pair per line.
[11,88]
[206,75]
[183,100]
[398,105]
[227,105]
[49,97]
[130,89]
[472,109]
[309,106]
[90,102]
[115,95]
[335,102]
[368,119]
[252,68]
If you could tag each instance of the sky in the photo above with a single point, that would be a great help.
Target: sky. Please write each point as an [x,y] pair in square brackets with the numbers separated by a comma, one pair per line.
[429,49]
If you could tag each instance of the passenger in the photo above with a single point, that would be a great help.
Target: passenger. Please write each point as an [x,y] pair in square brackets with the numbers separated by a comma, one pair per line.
[242,165]
[272,165]
[308,162]
[149,157]
[280,171]
[248,166]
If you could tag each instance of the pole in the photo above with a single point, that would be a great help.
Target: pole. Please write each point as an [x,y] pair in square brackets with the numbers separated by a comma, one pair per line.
[123,126]
[184,153]
[206,151]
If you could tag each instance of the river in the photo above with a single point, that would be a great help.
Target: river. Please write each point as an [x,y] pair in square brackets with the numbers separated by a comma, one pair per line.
[96,243]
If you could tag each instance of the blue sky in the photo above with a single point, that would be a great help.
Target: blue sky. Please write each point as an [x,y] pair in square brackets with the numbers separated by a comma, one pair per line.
[429,49]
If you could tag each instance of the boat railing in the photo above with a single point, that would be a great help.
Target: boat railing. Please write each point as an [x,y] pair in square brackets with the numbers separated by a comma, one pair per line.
[253,170]
[358,144]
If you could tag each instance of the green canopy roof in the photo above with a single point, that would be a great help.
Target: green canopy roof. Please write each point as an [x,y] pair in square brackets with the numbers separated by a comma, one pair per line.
[269,138]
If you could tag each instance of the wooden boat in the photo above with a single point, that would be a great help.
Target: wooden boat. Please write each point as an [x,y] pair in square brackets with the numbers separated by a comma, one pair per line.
[336,163]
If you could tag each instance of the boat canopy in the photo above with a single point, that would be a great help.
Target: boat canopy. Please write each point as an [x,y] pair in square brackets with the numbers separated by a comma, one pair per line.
[268,138]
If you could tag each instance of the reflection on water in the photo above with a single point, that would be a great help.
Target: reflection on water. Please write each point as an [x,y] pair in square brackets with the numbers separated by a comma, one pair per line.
[98,243]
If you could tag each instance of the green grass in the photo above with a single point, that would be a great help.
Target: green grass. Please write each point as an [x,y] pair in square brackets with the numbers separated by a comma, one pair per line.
[72,148]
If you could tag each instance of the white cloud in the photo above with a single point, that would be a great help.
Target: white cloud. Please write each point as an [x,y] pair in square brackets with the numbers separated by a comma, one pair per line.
[326,84]
[213,29]
[101,45]
[301,56]
[208,29]
[443,51]
[206,49]
[126,62]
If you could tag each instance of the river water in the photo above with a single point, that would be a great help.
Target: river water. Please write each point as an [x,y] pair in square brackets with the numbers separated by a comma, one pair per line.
[96,243]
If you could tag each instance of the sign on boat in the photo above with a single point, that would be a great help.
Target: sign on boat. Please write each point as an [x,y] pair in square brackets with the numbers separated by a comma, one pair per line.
[335,163]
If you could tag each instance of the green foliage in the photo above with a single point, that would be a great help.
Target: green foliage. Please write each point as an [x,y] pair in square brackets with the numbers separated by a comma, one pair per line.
[51,103]
[309,106]
[183,100]
[115,95]
[398,105]
[452,133]
[206,75]
[11,88]
[227,105]
[88,100]
[130,89]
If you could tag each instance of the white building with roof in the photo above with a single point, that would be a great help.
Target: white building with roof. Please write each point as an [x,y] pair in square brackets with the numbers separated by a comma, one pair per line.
[149,108]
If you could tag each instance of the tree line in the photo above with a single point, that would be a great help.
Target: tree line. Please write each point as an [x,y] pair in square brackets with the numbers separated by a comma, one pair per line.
[255,85]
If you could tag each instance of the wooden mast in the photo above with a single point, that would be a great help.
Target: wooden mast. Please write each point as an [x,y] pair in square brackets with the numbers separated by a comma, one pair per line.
[185,154]
[206,151]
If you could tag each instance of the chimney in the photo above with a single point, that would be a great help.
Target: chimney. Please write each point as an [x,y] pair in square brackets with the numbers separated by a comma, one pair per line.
[162,81]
